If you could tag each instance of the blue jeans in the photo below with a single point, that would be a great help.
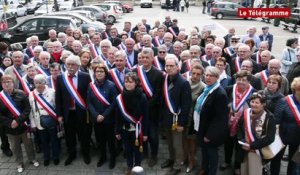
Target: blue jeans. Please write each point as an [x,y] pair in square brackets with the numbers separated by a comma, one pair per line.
[210,159]
[50,142]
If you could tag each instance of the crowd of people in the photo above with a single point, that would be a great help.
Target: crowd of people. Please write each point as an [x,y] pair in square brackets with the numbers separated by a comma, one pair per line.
[131,87]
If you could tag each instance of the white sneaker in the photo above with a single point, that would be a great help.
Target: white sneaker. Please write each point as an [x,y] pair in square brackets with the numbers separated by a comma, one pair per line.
[20,168]
[35,163]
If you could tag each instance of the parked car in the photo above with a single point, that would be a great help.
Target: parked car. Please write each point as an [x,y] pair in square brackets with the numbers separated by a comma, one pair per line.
[7,20]
[113,11]
[163,4]
[81,21]
[33,6]
[146,3]
[17,9]
[127,8]
[85,13]
[44,9]
[66,5]
[295,16]
[97,11]
[225,9]
[39,26]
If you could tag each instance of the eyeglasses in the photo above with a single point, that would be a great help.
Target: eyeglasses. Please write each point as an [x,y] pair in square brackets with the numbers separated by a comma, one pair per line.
[161,52]
[233,41]
[297,55]
[6,82]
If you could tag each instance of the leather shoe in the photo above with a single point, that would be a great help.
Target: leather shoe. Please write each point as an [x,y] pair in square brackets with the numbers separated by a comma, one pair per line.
[101,162]
[7,152]
[112,164]
[69,160]
[167,163]
[87,159]
[56,161]
[46,162]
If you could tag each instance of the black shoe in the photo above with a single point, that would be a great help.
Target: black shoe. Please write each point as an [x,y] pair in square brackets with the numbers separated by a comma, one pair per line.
[152,161]
[56,161]
[101,162]
[7,152]
[112,164]
[46,162]
[87,159]
[69,160]
[167,163]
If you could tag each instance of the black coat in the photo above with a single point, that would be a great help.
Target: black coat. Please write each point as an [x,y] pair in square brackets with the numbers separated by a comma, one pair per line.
[293,72]
[63,97]
[214,118]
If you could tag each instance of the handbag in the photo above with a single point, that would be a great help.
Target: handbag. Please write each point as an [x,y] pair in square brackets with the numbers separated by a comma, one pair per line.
[274,148]
[46,121]
[296,156]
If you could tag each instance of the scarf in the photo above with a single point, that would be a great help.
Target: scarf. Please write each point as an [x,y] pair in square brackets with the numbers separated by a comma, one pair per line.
[196,88]
[56,56]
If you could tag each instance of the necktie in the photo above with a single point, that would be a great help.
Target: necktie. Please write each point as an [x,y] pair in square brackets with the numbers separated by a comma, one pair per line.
[72,102]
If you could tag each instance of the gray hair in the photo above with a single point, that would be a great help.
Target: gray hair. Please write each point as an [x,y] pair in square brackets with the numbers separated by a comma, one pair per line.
[45,53]
[213,70]
[34,37]
[40,78]
[66,53]
[121,53]
[73,59]
[30,66]
[178,43]
[61,34]
[148,50]
[38,48]
[105,41]
[195,47]
[172,57]
[162,47]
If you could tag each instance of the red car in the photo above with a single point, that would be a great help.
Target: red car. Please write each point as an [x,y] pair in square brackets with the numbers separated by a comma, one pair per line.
[127,8]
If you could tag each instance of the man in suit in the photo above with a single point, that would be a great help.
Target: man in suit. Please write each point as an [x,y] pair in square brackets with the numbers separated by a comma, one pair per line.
[148,27]
[154,77]
[195,52]
[95,49]
[71,108]
[227,38]
[18,69]
[127,29]
[266,36]
[146,40]
[159,39]
[175,111]
[132,55]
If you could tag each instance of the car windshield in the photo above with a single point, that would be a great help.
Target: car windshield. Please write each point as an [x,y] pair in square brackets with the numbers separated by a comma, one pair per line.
[104,7]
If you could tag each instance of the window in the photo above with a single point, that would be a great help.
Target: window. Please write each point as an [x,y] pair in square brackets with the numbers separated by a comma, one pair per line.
[29,25]
[47,23]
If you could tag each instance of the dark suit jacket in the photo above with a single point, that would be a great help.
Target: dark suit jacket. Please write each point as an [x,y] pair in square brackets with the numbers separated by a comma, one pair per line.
[227,40]
[214,118]
[135,55]
[255,82]
[63,97]
[182,98]
[269,38]
[184,67]
[233,69]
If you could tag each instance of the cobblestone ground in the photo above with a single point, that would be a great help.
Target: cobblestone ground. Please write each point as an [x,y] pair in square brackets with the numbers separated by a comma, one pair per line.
[78,167]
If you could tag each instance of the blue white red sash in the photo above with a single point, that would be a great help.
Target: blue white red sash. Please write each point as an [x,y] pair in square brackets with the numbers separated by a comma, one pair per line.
[157,64]
[128,64]
[118,82]
[103,57]
[131,119]
[73,91]
[62,68]
[236,105]
[172,31]
[31,50]
[42,71]
[122,46]
[1,71]
[188,64]
[237,64]
[108,65]
[139,46]
[45,104]
[229,51]
[52,84]
[23,83]
[144,81]
[258,58]
[93,50]
[99,95]
[156,41]
[248,130]
[264,77]
[204,58]
[10,104]
[169,102]
[294,107]
[187,75]
[106,35]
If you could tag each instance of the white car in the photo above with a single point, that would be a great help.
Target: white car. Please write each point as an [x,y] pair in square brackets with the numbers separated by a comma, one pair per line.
[17,9]
[66,5]
[114,11]
[43,10]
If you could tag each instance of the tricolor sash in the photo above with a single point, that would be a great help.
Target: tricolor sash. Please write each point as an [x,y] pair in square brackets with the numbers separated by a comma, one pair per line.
[264,77]
[258,58]
[128,64]
[157,64]
[188,64]
[103,57]
[172,31]
[229,51]
[23,83]
[204,58]
[248,130]
[62,68]
[10,104]
[108,65]
[170,104]
[106,35]
[131,119]
[115,76]
[42,71]
[52,84]
[99,95]
[45,104]
[1,71]
[295,108]
[122,46]
[73,91]
[144,81]
[187,75]
[237,104]
[93,50]
[156,41]
[31,50]
[139,46]
[237,64]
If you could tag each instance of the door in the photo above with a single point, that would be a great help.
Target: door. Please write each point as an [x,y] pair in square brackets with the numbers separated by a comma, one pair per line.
[24,30]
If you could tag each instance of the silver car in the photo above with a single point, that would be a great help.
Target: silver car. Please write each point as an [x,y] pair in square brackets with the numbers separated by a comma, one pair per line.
[97,11]
[225,9]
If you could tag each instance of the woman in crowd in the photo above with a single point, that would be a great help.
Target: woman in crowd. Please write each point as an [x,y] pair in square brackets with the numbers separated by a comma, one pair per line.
[6,62]
[238,96]
[43,118]
[224,79]
[28,78]
[101,98]
[3,50]
[132,120]
[189,139]
[251,43]
[77,34]
[287,116]
[256,130]
[289,55]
